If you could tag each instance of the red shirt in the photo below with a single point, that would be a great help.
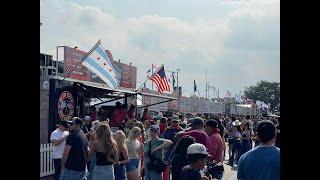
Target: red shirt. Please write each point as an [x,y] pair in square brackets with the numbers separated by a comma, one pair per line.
[130,114]
[217,146]
[202,138]
[117,117]
[146,117]
[162,128]
[93,116]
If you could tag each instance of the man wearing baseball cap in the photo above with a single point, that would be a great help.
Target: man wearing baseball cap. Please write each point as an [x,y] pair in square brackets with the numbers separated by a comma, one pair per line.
[197,156]
[75,153]
[58,139]
[86,126]
[154,147]
[170,132]
[198,133]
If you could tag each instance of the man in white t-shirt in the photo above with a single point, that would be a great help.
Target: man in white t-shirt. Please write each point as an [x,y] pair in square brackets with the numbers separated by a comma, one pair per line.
[58,139]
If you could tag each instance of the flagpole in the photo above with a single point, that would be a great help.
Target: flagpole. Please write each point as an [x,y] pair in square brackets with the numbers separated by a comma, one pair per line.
[92,49]
[172,80]
[178,90]
[143,83]
[151,75]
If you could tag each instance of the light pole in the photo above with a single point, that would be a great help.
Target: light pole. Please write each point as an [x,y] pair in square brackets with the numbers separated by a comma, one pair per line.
[57,59]
[178,90]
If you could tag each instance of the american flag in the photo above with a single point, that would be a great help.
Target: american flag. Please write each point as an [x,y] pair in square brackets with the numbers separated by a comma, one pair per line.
[159,77]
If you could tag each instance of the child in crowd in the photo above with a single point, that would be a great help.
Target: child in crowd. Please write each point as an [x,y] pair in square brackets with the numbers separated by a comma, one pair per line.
[197,156]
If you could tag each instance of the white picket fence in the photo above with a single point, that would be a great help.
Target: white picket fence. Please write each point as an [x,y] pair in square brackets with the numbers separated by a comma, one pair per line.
[46,162]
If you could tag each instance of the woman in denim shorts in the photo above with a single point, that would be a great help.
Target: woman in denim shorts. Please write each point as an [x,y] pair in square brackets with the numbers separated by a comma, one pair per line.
[135,147]
[119,167]
[105,149]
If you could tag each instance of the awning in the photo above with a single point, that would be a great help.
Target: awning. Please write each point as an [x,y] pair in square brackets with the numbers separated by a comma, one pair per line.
[98,90]
[158,96]
[109,92]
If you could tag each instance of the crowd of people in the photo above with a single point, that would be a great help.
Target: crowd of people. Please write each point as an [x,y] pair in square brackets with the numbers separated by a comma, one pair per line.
[163,148]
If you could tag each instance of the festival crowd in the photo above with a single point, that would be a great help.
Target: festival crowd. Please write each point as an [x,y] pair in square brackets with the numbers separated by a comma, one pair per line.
[177,148]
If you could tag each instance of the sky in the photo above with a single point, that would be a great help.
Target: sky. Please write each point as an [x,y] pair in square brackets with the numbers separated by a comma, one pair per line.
[235,43]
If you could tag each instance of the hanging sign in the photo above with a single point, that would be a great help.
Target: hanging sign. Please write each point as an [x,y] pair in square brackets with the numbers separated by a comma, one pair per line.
[66,106]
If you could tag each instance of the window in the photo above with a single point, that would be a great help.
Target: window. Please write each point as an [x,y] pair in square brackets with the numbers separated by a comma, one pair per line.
[60,67]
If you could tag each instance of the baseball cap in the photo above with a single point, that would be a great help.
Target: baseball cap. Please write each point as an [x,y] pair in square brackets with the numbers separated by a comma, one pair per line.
[175,118]
[197,121]
[87,118]
[197,148]
[63,123]
[212,123]
[216,117]
[76,121]
[155,127]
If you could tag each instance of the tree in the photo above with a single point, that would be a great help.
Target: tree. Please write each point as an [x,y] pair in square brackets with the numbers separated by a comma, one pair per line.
[268,92]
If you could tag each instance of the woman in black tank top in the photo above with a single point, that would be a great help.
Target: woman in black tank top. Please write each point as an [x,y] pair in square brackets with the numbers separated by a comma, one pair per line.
[106,151]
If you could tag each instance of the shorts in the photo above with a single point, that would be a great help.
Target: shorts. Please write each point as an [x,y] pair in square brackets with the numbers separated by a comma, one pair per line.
[67,174]
[132,165]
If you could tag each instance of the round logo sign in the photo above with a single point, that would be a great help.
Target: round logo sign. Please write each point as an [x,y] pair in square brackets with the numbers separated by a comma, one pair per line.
[65,106]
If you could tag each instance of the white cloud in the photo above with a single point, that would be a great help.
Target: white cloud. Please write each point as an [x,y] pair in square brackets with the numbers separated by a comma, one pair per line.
[170,36]
[151,38]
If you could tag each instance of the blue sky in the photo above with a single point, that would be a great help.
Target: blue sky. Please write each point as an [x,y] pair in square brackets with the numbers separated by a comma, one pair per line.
[237,42]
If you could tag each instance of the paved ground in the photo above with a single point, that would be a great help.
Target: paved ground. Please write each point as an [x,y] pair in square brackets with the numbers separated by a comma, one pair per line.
[229,174]
[47,178]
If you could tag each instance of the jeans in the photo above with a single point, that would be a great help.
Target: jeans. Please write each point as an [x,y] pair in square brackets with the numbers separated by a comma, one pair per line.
[152,175]
[218,175]
[120,172]
[67,174]
[103,173]
[236,150]
[57,168]
[92,165]
[246,146]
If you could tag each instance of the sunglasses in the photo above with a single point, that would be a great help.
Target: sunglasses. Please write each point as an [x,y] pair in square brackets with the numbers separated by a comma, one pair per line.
[153,130]
[137,132]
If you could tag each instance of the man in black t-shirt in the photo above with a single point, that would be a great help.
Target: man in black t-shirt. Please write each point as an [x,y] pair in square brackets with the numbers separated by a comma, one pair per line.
[75,155]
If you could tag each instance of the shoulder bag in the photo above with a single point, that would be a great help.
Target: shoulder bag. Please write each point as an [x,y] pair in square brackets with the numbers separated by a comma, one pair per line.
[155,163]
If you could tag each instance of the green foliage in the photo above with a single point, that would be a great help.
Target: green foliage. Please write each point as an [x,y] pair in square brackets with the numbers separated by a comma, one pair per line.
[268,92]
